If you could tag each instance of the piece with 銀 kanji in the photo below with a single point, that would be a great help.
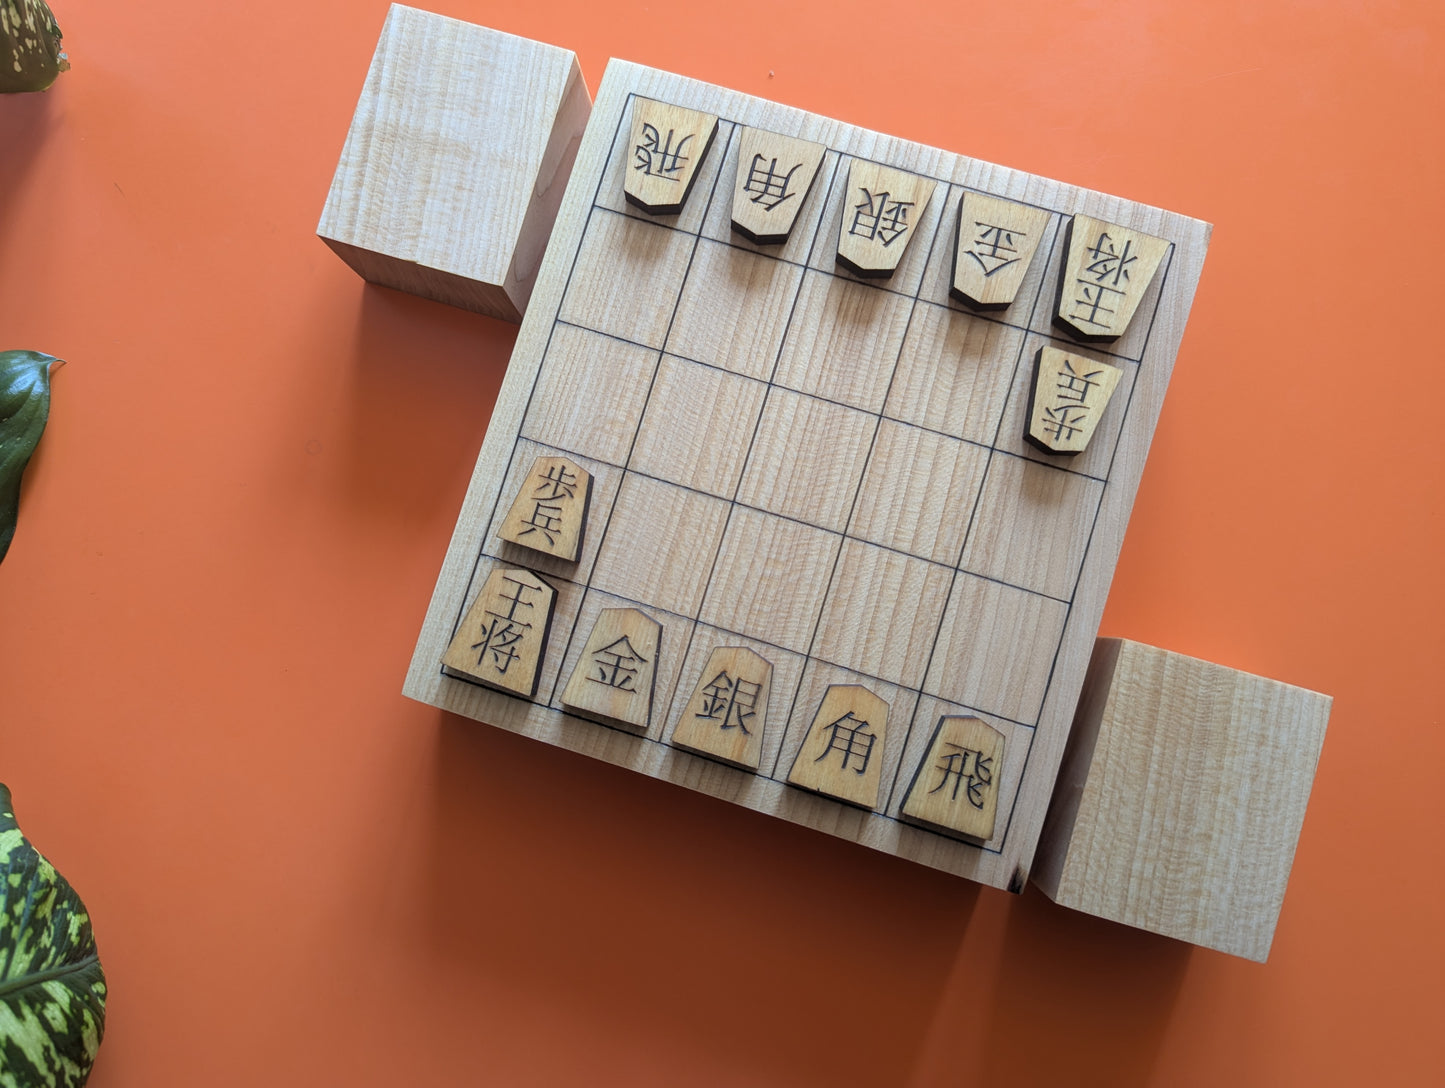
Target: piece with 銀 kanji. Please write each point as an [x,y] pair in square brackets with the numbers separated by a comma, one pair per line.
[956,786]
[504,634]
[1066,400]
[549,514]
[727,714]
[880,211]
[842,755]
[666,148]
[613,677]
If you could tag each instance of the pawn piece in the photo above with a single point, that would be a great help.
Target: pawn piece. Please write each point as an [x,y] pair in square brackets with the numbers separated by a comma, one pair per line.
[504,634]
[775,173]
[668,144]
[549,513]
[956,786]
[842,755]
[613,678]
[1107,269]
[880,211]
[727,714]
[1067,398]
[996,243]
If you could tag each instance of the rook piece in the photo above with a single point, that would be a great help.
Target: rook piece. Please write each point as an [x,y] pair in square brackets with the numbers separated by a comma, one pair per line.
[1066,400]
[727,714]
[1107,269]
[549,513]
[668,144]
[504,635]
[996,242]
[956,785]
[774,175]
[880,211]
[842,755]
[614,676]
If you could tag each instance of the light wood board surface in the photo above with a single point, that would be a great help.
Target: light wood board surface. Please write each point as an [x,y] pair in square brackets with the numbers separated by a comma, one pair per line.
[829,472]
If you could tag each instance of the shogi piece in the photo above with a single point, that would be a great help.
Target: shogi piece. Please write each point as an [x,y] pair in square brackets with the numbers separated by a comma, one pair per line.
[614,676]
[504,634]
[549,514]
[1107,269]
[995,244]
[1067,398]
[881,210]
[774,175]
[455,164]
[728,712]
[956,786]
[1181,797]
[842,755]
[668,144]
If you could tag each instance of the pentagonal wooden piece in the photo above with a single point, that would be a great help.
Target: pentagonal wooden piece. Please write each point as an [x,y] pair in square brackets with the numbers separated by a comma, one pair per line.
[613,679]
[665,150]
[774,175]
[842,755]
[549,513]
[995,243]
[956,785]
[1066,400]
[728,711]
[1107,269]
[504,635]
[881,211]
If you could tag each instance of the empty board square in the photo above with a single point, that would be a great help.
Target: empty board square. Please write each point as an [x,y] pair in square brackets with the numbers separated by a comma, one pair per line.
[842,208]
[770,579]
[996,648]
[698,426]
[734,309]
[955,373]
[627,278]
[882,612]
[1033,525]
[843,341]
[590,394]
[623,156]
[718,223]
[807,459]
[659,544]
[918,492]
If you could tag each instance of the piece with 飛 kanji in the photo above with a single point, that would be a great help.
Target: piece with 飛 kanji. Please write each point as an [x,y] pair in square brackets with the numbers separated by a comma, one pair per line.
[774,175]
[502,638]
[881,209]
[956,785]
[665,150]
[613,678]
[1107,269]
[1066,400]
[842,755]
[549,514]
[995,243]
[727,714]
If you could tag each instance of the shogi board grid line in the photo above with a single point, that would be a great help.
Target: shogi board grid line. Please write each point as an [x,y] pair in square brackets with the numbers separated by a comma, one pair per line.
[1151,361]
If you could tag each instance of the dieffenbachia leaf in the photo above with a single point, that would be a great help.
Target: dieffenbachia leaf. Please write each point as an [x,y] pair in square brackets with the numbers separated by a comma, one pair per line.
[24,408]
[30,53]
[52,990]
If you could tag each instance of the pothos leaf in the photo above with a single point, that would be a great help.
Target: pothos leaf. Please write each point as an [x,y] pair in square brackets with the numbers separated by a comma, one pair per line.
[24,408]
[30,53]
[52,989]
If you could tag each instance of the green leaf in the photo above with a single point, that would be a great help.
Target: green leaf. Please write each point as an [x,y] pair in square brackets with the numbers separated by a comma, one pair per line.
[52,989]
[30,53]
[24,408]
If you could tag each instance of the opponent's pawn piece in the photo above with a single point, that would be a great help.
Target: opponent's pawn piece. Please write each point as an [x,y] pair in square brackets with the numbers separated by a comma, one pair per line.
[1107,269]
[666,148]
[614,677]
[955,788]
[504,634]
[842,755]
[995,244]
[549,514]
[728,712]
[881,211]
[774,175]
[1066,400]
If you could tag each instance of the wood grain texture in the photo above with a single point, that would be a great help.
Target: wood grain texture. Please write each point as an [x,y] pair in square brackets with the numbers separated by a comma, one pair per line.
[456,161]
[1107,272]
[549,514]
[774,175]
[505,633]
[1181,797]
[994,247]
[615,677]
[842,754]
[668,145]
[830,472]
[882,211]
[955,786]
[727,716]
[1068,397]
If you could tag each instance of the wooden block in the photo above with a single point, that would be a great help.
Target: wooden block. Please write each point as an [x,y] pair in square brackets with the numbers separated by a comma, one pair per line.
[668,145]
[456,161]
[504,635]
[774,175]
[1066,400]
[956,785]
[1181,796]
[842,755]
[995,244]
[881,208]
[613,678]
[728,712]
[1107,269]
[549,514]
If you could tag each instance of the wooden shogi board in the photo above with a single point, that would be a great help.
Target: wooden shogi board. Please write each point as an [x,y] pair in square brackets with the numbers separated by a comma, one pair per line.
[829,471]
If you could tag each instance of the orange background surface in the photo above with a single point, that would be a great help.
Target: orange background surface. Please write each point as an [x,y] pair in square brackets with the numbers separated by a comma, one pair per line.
[230,533]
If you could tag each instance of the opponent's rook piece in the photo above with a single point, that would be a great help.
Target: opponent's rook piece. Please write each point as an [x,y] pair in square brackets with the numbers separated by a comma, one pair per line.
[956,786]
[549,514]
[1066,399]
[1107,269]
[613,678]
[504,634]
[842,755]
[996,242]
[775,173]
[666,148]
[727,714]
[881,211]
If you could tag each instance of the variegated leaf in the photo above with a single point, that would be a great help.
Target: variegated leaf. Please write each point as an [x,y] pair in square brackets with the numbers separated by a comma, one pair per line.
[24,408]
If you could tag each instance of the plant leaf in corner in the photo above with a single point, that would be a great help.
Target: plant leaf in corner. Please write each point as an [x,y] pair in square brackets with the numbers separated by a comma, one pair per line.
[24,408]
[30,53]
[52,989]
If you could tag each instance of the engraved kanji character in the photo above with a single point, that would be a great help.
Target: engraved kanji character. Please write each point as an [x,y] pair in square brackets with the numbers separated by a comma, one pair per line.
[993,247]
[656,157]
[968,769]
[847,737]
[557,483]
[877,217]
[617,664]
[768,187]
[504,630]
[1061,423]
[1074,386]
[731,699]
